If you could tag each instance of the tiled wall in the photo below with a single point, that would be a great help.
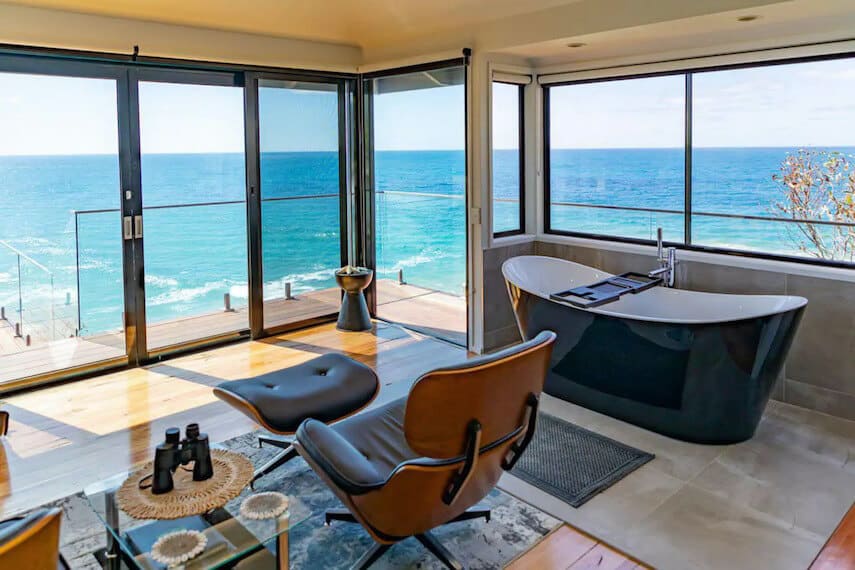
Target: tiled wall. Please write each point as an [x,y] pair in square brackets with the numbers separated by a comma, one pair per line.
[820,371]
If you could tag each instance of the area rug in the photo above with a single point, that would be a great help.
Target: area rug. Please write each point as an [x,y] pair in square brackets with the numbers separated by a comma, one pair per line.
[514,528]
[574,464]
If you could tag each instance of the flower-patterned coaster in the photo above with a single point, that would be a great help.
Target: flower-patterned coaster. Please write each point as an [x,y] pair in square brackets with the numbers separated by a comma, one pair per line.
[266,505]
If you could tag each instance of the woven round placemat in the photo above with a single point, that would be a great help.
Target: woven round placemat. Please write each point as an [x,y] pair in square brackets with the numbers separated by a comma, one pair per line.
[232,472]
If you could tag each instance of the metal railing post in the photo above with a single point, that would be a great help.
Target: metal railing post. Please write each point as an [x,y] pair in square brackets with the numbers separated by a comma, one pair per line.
[20,294]
[52,315]
[77,268]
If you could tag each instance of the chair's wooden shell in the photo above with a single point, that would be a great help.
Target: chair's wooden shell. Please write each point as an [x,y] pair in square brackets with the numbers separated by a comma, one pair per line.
[36,546]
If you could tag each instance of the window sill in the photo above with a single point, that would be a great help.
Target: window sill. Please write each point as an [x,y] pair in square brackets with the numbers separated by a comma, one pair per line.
[512,240]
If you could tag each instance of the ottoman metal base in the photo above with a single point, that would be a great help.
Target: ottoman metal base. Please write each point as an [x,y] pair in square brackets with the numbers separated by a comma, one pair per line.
[287,454]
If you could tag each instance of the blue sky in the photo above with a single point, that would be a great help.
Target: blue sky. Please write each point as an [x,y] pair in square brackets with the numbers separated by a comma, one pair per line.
[786,105]
[789,105]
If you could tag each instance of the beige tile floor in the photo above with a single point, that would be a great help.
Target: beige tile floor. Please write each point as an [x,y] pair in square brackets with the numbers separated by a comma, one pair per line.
[770,502]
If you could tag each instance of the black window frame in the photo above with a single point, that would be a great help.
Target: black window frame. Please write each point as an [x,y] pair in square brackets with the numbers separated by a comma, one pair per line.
[688,212]
[520,230]
[127,70]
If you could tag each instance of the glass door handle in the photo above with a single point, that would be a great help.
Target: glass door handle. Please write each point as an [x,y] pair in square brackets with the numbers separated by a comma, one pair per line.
[127,228]
[138,232]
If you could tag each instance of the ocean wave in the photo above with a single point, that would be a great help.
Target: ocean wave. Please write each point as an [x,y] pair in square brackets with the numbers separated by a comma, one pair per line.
[239,291]
[427,256]
[6,278]
[158,281]
[90,265]
[176,296]
[324,274]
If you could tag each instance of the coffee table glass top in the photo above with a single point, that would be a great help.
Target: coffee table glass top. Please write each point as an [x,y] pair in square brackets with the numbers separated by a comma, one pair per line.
[231,536]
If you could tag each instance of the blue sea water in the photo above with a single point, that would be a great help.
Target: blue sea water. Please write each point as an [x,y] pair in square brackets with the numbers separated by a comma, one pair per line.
[195,254]
[724,181]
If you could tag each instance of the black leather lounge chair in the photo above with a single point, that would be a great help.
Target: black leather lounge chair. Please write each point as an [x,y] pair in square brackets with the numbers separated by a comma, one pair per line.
[409,466]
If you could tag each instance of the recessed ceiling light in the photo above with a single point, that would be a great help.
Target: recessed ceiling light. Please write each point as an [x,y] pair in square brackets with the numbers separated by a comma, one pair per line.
[747,18]
[576,45]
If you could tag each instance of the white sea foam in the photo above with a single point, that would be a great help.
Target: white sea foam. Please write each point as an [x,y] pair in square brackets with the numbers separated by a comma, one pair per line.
[418,259]
[296,279]
[158,281]
[188,294]
[239,291]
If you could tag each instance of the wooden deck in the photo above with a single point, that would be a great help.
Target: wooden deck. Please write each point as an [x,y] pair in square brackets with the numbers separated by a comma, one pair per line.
[427,311]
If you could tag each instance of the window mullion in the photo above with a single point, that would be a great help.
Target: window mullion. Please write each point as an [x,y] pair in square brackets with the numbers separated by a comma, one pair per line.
[687,177]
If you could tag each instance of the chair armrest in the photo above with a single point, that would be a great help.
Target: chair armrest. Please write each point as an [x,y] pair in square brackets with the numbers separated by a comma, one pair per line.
[338,459]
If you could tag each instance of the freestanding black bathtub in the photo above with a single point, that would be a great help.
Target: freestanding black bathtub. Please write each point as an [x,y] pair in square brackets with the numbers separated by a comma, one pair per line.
[695,366]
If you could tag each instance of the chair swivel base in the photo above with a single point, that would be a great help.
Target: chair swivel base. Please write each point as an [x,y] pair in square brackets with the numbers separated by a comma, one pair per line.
[287,454]
[427,539]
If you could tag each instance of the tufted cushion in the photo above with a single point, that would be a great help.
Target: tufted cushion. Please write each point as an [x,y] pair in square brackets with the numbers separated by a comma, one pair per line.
[326,389]
[362,451]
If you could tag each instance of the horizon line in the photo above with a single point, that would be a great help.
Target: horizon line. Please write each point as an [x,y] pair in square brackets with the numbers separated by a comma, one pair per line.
[789,147]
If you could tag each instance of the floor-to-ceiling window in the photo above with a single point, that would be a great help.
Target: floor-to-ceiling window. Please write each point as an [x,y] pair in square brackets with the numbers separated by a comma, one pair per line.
[419,176]
[300,167]
[193,193]
[61,286]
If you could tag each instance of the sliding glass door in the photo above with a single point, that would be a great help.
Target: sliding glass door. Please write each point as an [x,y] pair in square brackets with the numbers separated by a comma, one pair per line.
[194,208]
[61,269]
[301,171]
[418,171]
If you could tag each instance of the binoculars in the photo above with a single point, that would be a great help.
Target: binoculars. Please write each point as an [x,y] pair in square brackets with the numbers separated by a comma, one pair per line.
[175,452]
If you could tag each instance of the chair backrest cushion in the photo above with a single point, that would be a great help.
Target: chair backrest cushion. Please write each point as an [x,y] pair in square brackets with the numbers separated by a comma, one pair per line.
[493,390]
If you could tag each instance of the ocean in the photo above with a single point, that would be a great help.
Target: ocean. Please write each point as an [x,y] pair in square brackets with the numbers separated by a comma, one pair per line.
[196,253]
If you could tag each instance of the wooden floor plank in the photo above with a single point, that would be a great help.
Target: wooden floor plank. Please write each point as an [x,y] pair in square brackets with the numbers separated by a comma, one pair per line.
[839,552]
[567,548]
[559,549]
[64,437]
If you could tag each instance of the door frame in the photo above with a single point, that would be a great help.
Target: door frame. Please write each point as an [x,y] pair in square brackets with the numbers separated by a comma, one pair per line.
[135,275]
[366,234]
[254,198]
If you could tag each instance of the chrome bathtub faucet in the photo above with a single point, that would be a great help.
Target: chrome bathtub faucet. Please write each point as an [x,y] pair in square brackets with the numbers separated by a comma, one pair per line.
[667,259]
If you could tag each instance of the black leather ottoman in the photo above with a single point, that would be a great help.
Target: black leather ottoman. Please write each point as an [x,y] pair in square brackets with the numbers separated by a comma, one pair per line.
[328,388]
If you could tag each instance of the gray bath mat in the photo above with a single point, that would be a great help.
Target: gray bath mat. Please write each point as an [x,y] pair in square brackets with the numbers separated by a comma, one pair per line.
[514,528]
[575,464]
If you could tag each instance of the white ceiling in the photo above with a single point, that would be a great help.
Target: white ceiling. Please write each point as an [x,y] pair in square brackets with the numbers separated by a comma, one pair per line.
[381,31]
[781,24]
[356,22]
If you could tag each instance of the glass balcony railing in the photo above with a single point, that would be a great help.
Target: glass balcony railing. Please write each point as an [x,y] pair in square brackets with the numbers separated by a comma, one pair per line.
[739,232]
[422,235]
[29,303]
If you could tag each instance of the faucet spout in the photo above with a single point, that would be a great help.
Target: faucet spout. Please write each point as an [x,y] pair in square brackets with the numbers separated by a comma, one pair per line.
[667,260]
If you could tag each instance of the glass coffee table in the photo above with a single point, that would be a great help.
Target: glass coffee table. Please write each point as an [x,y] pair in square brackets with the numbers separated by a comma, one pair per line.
[232,537]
